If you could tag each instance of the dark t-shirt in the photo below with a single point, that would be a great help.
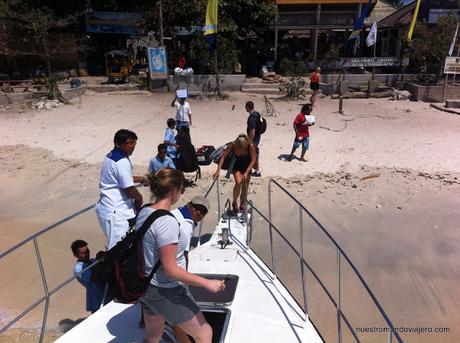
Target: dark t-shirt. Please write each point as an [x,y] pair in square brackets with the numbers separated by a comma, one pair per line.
[252,124]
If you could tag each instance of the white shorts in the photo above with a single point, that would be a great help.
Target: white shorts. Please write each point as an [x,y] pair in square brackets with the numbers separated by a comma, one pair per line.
[114,229]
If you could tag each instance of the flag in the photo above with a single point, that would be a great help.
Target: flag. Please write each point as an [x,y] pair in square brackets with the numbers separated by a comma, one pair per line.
[454,40]
[372,37]
[210,29]
[358,25]
[412,23]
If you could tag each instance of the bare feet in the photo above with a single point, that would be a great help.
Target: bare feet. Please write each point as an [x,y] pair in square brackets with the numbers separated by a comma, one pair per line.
[235,207]
[289,159]
[302,159]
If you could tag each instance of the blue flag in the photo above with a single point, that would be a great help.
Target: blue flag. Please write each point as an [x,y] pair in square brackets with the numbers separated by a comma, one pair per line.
[353,40]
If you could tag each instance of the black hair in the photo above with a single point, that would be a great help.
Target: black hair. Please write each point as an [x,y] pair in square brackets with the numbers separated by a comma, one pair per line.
[170,122]
[162,146]
[249,105]
[79,243]
[203,210]
[122,136]
[306,109]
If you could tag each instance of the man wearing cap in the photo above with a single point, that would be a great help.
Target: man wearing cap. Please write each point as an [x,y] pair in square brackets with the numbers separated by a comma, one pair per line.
[188,217]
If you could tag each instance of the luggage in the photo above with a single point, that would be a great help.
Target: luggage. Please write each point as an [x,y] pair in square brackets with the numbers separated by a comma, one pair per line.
[203,155]
[121,266]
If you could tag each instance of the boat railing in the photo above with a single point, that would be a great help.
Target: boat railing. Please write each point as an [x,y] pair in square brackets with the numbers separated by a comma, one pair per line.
[304,265]
[47,292]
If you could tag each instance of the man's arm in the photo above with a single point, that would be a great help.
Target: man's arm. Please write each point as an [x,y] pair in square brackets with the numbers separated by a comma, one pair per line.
[173,103]
[133,193]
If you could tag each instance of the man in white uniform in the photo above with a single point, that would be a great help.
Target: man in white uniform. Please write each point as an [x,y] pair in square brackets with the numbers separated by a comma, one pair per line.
[183,113]
[188,217]
[119,198]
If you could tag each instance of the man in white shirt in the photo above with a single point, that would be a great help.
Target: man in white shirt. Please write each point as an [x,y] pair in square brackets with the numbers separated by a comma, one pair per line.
[183,113]
[119,198]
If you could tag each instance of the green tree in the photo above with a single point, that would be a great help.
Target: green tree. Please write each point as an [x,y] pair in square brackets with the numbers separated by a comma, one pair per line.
[430,45]
[38,31]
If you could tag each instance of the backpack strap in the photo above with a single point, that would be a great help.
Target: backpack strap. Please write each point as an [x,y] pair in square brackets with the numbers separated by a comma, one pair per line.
[145,226]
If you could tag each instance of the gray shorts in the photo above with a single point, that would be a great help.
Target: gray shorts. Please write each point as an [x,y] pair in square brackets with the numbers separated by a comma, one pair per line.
[176,305]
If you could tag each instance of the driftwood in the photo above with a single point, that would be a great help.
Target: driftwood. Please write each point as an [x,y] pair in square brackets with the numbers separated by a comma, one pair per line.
[444,109]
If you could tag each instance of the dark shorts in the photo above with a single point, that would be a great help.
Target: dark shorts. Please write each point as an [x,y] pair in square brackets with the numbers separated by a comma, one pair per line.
[314,86]
[175,305]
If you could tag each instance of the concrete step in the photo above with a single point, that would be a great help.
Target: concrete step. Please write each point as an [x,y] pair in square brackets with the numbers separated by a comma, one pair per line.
[261,91]
[259,85]
[453,103]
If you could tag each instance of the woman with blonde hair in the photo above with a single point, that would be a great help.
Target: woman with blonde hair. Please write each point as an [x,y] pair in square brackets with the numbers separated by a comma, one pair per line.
[166,299]
[241,156]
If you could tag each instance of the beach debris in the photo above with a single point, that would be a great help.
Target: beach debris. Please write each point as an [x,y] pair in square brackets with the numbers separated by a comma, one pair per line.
[378,206]
[401,95]
[399,207]
[45,104]
[370,176]
[270,110]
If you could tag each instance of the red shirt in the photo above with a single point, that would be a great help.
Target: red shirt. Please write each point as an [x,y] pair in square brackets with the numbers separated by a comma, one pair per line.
[301,124]
[314,77]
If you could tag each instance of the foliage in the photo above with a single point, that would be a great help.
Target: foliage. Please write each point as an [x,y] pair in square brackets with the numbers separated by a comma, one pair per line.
[431,44]
[293,68]
[38,31]
[292,87]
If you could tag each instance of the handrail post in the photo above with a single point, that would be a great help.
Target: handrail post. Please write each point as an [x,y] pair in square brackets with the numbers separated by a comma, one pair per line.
[218,200]
[390,336]
[302,271]
[339,315]
[45,287]
[270,224]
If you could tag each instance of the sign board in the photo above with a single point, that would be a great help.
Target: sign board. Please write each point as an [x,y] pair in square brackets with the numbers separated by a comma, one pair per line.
[158,65]
[437,13]
[452,65]
[357,62]
[112,22]
[181,94]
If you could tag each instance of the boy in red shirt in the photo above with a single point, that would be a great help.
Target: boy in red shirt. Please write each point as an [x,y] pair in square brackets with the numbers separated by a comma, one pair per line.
[302,136]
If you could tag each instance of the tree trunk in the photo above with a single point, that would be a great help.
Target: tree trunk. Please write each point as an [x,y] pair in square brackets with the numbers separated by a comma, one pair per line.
[216,72]
[47,55]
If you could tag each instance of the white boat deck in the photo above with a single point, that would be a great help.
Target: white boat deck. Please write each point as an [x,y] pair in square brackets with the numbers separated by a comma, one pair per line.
[262,310]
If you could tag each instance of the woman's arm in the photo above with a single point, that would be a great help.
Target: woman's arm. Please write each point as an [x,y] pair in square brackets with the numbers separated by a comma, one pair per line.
[222,159]
[172,271]
[253,155]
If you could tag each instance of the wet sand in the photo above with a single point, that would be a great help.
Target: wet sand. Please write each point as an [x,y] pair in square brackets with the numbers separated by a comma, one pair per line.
[385,184]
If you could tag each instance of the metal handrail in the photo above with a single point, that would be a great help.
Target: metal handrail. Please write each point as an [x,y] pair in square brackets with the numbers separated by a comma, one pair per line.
[315,275]
[340,252]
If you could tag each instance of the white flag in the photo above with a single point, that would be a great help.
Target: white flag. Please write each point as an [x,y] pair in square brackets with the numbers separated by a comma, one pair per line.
[452,45]
[372,37]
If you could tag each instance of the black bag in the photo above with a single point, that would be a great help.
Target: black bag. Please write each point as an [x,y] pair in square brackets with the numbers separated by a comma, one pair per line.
[121,266]
[261,125]
[203,155]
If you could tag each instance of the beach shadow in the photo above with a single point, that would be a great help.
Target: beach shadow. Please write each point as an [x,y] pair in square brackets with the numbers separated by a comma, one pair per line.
[68,324]
[284,157]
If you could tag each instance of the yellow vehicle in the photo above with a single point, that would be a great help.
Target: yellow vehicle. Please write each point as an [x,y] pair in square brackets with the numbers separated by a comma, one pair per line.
[119,64]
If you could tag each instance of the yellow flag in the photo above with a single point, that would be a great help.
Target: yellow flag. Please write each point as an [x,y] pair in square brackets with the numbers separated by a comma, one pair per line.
[211,18]
[412,24]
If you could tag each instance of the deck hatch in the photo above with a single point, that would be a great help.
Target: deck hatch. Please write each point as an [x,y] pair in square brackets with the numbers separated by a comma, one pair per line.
[222,299]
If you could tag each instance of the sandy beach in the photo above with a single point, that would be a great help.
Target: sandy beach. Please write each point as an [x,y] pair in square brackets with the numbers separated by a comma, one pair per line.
[384,179]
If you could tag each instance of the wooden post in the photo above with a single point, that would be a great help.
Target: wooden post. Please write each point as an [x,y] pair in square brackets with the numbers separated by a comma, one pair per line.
[444,91]
[315,44]
[276,41]
[160,14]
[375,52]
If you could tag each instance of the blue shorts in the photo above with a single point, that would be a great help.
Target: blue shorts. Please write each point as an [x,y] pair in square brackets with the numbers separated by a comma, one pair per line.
[180,124]
[305,143]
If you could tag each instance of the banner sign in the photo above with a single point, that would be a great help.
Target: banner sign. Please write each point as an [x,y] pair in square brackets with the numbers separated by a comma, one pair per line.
[112,22]
[158,65]
[452,65]
[357,62]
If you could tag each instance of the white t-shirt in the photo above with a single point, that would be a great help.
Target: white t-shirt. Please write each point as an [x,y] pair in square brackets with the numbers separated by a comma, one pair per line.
[116,176]
[187,225]
[164,231]
[183,111]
